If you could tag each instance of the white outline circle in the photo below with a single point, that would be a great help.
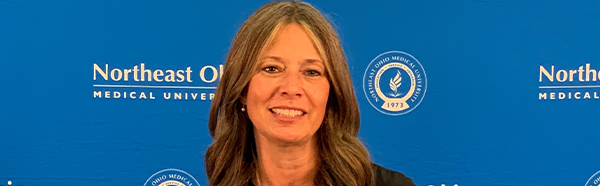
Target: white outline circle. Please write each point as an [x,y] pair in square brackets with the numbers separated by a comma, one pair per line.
[171,169]
[588,181]
[385,112]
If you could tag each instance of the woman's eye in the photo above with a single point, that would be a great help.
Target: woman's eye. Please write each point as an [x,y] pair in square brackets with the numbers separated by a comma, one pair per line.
[313,73]
[270,69]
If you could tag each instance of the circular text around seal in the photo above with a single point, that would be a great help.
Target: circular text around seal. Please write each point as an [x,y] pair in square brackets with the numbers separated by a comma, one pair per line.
[594,180]
[171,177]
[395,83]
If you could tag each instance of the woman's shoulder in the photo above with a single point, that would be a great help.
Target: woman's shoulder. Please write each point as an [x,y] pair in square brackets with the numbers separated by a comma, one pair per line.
[387,177]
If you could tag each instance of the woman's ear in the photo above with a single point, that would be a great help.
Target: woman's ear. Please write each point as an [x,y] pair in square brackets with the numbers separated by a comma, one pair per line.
[243,100]
[243,95]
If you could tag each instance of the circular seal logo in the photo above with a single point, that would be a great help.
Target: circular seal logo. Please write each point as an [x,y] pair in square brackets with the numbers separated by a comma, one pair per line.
[395,83]
[594,180]
[171,177]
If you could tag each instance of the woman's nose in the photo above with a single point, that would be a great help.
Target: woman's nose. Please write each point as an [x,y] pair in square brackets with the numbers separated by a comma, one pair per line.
[291,85]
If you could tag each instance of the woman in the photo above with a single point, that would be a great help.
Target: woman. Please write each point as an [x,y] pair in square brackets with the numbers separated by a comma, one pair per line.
[285,112]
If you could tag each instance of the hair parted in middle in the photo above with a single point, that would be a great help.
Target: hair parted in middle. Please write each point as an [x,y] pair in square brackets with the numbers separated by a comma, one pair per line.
[231,160]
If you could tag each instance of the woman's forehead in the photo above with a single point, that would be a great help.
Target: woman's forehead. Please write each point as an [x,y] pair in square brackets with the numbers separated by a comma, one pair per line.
[291,41]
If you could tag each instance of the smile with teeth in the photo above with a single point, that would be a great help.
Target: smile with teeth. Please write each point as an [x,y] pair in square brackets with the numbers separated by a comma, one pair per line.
[288,113]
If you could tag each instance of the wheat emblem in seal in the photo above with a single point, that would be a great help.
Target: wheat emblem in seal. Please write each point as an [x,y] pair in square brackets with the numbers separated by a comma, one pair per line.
[395,84]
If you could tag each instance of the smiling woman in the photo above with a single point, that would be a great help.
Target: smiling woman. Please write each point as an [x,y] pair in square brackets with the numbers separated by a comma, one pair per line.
[287,98]
[285,112]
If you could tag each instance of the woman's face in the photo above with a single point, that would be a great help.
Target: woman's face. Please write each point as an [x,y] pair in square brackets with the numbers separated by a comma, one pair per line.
[287,97]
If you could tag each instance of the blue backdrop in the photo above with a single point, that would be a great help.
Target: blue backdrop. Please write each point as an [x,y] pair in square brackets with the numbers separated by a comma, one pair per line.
[506,101]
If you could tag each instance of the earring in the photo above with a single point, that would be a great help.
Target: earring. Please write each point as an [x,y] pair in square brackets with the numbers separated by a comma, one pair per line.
[243,109]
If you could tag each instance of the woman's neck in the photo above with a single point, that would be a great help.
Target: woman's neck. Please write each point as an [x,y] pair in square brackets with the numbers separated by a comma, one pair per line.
[285,164]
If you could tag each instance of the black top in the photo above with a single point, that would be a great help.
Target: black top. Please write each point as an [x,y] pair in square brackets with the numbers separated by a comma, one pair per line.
[387,177]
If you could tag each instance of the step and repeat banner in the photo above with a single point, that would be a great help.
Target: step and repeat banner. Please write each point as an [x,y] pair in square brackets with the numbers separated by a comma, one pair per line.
[467,93]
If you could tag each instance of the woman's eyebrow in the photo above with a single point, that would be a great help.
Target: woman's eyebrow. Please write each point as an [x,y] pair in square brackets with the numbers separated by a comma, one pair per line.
[279,59]
[276,58]
[313,61]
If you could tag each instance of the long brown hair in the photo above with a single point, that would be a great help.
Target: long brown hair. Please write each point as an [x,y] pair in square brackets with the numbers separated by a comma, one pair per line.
[231,159]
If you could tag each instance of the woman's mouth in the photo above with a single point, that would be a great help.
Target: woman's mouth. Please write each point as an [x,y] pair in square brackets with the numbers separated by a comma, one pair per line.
[288,113]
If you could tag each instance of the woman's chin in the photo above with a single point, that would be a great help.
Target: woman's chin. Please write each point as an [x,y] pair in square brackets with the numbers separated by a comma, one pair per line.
[284,136]
[291,138]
